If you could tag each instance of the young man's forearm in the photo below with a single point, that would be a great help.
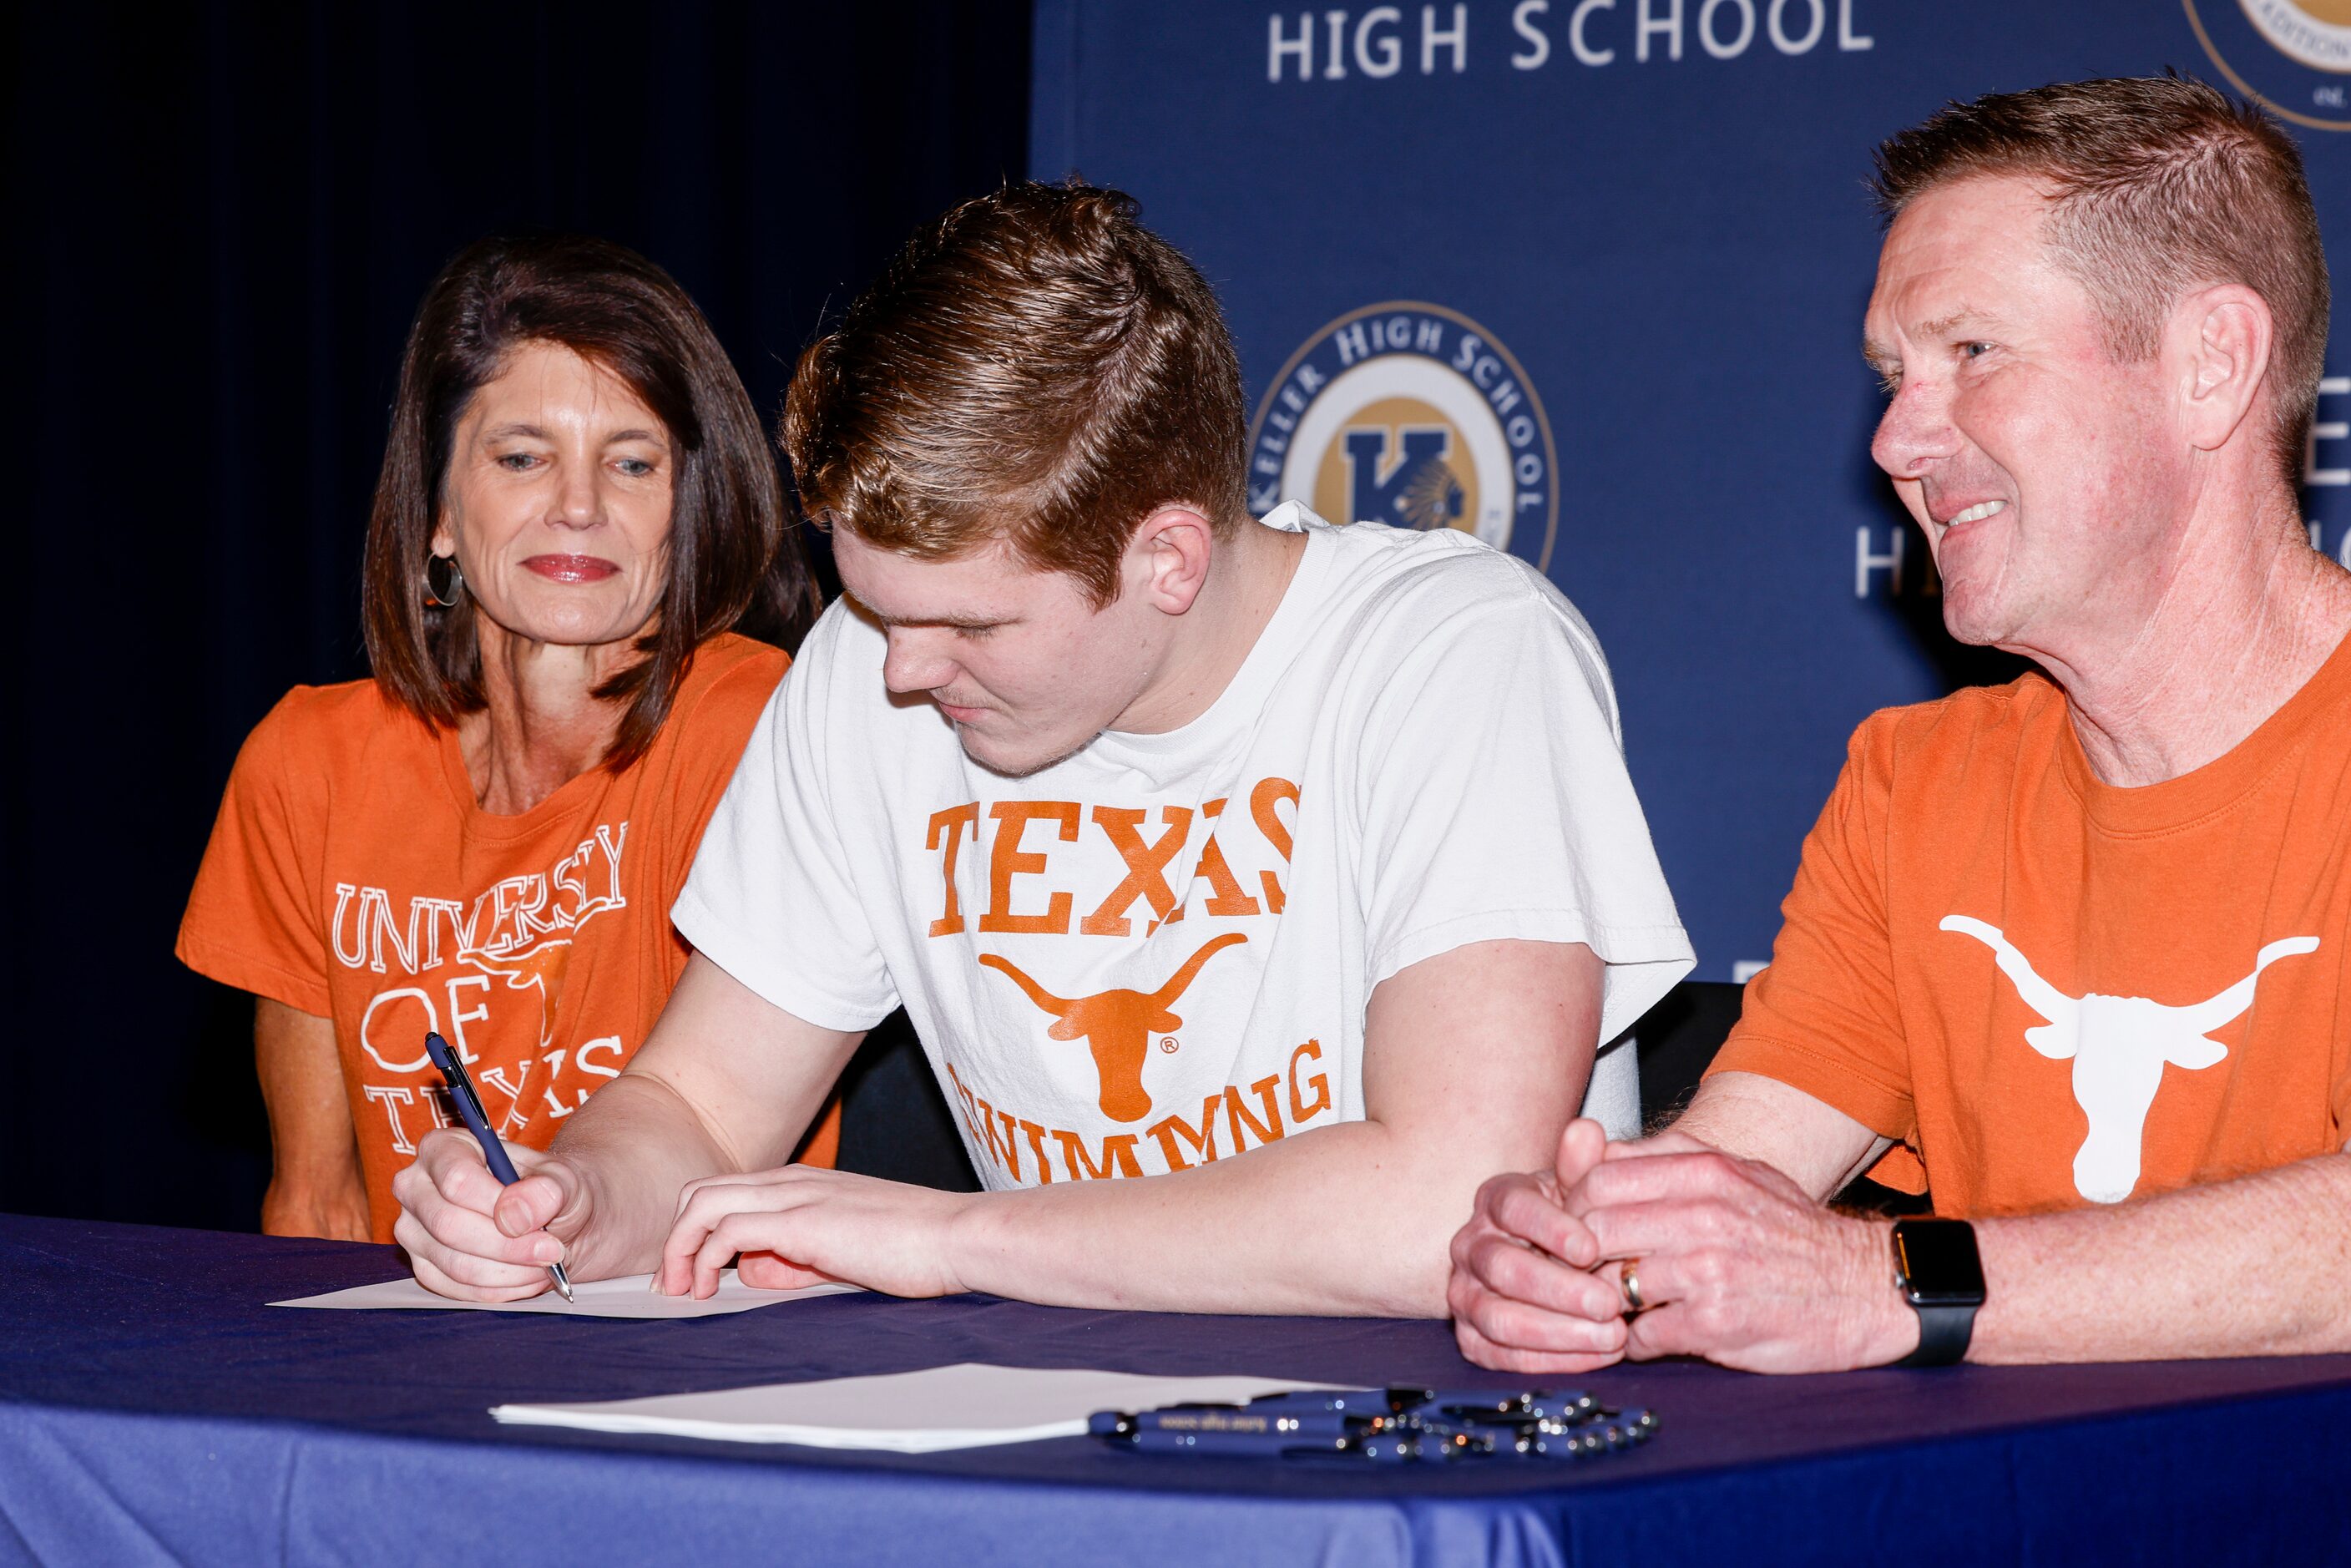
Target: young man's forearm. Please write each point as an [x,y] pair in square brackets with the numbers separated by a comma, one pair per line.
[1354,1219]
[632,1146]
[727,1082]
[1339,1221]
[2254,1266]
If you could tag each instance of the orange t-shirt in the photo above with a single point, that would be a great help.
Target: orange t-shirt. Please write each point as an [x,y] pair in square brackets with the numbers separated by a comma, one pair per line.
[2053,991]
[352,876]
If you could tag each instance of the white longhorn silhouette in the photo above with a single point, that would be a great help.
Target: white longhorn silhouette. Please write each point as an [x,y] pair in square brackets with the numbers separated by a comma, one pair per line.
[2119,1047]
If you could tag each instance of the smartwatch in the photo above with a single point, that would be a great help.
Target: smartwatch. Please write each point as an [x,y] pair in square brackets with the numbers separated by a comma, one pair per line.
[1941,1274]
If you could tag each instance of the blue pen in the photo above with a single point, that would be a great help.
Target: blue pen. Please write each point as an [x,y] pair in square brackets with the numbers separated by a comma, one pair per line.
[1285,1430]
[470,1106]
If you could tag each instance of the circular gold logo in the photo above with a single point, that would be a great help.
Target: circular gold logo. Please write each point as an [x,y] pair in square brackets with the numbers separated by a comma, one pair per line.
[2316,32]
[1441,489]
[2293,56]
[1413,416]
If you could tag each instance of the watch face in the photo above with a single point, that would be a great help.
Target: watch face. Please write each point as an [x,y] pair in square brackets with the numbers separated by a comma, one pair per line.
[1939,1261]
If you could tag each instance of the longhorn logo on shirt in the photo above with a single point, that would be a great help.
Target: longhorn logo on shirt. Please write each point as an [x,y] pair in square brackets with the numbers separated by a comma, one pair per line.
[2119,1047]
[1118,1024]
[540,967]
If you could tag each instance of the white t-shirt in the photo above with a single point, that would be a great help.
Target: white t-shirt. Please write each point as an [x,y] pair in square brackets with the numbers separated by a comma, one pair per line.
[1158,951]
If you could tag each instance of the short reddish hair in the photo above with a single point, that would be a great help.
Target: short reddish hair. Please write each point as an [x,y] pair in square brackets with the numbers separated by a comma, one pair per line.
[1035,366]
[2161,185]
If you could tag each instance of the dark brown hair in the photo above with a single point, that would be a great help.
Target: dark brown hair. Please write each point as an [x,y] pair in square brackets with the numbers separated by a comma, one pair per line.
[1036,366]
[730,556]
[2160,184]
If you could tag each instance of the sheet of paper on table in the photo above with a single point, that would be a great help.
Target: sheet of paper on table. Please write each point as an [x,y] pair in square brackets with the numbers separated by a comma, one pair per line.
[968,1406]
[630,1296]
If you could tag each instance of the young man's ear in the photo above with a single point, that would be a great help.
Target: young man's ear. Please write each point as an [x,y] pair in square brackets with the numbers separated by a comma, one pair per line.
[1168,559]
[2224,336]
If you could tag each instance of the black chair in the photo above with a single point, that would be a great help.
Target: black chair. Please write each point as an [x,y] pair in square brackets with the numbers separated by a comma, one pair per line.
[895,1123]
[1677,1040]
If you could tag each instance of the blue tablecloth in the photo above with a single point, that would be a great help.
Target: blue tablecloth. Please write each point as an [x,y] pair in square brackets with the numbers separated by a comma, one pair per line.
[152,1409]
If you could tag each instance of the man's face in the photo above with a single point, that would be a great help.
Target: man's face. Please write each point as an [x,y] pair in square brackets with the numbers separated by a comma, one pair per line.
[2044,475]
[1020,660]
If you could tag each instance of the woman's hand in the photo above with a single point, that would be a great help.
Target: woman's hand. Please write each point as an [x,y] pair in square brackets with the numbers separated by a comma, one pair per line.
[470,1239]
[333,1209]
[801,1226]
[316,1186]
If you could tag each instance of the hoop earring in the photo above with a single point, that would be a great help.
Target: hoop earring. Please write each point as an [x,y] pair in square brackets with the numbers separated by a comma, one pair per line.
[445,585]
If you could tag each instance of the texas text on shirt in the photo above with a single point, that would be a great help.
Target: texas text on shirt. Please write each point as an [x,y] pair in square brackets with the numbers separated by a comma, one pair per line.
[1158,952]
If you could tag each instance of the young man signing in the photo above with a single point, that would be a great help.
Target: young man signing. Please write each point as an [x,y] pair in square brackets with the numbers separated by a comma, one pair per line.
[1288,875]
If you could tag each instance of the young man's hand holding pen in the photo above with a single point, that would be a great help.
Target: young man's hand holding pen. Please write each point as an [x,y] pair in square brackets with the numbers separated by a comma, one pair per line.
[506,1210]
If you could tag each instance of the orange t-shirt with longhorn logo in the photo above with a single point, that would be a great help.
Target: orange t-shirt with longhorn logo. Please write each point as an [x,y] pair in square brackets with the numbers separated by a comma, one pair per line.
[2055,991]
[352,876]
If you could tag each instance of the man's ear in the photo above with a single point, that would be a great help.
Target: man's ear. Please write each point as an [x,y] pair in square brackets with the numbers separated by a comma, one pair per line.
[1171,552]
[2222,337]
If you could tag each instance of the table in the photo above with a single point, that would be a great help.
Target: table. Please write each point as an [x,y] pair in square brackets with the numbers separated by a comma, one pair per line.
[152,1409]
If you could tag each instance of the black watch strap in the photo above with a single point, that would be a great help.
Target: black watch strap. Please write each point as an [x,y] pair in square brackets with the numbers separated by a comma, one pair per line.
[1943,1335]
[1940,1275]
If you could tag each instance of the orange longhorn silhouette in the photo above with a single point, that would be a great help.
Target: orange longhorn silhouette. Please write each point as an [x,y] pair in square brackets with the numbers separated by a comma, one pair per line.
[542,966]
[1117,1025]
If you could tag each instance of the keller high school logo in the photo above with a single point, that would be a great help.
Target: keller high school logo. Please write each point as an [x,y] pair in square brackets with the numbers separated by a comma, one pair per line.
[2292,55]
[1413,415]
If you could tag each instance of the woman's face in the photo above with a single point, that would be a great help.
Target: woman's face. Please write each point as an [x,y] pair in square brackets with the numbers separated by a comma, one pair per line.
[557,501]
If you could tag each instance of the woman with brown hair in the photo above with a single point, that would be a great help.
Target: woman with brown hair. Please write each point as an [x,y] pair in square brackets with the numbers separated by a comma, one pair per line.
[576,505]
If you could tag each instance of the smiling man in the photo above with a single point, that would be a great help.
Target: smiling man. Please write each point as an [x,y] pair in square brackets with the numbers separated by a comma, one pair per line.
[2071,953]
[1257,887]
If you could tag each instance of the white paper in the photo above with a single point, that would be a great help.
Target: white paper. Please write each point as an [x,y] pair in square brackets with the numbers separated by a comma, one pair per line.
[630,1296]
[968,1406]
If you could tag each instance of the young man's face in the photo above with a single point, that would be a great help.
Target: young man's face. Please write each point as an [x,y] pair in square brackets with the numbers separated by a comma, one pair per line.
[1020,661]
[2045,474]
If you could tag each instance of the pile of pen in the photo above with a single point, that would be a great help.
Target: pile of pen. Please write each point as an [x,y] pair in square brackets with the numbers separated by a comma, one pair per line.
[1387,1425]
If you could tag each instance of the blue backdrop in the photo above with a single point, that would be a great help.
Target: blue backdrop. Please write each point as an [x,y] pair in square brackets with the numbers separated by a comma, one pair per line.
[1587,277]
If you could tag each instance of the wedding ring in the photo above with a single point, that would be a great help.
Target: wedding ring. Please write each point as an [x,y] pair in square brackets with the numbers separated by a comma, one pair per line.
[1629,1276]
